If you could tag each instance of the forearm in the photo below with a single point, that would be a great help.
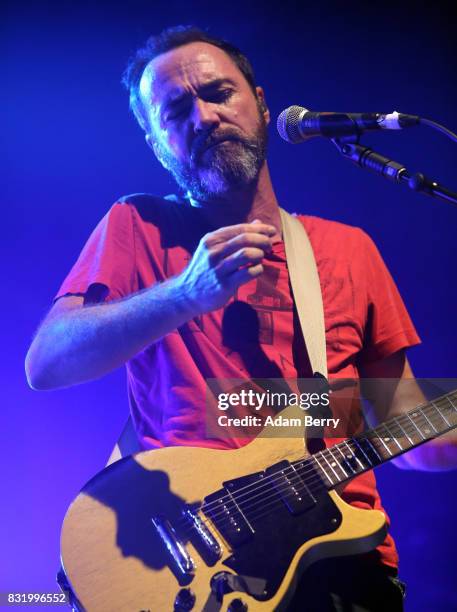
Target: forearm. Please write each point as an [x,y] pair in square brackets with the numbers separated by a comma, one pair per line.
[393,391]
[88,342]
[77,343]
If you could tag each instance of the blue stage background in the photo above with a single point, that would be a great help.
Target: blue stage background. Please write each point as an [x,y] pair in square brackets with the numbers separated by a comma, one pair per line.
[71,148]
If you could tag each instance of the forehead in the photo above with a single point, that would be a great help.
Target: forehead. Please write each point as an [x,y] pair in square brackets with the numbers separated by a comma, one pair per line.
[186,68]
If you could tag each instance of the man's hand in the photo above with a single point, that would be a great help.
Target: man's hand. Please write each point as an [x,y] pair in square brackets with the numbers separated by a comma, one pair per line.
[224,260]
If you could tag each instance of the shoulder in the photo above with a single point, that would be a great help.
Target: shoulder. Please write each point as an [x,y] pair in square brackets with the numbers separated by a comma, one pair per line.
[333,238]
[170,219]
[147,206]
[149,209]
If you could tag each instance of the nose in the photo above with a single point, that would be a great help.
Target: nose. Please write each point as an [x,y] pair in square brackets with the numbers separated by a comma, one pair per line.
[204,116]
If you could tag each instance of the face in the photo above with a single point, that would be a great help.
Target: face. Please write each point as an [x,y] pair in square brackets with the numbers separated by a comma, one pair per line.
[205,124]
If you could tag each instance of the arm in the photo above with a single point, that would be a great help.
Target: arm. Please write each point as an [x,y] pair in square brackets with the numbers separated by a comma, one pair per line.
[79,342]
[389,400]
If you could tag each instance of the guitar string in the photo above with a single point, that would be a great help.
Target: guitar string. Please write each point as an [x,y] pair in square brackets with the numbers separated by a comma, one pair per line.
[358,437]
[307,459]
[267,502]
[306,469]
[406,419]
[273,500]
[251,508]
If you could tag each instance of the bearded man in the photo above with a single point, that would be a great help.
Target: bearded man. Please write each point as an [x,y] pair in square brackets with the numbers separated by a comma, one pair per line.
[196,286]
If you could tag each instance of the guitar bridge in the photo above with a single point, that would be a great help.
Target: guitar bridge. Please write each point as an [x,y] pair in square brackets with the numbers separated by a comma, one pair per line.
[178,553]
[202,538]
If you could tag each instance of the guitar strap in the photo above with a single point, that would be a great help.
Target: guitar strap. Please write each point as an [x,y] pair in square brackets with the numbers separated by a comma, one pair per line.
[307,294]
[306,289]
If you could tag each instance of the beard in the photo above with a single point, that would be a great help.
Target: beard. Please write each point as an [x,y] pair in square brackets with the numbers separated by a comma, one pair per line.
[221,162]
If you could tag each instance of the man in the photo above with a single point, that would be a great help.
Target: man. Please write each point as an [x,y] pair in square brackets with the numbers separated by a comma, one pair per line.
[170,287]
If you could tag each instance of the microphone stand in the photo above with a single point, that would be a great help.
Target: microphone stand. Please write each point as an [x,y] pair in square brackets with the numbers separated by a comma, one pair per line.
[365,157]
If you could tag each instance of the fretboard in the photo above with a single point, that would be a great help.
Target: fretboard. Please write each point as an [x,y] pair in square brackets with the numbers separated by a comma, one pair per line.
[363,452]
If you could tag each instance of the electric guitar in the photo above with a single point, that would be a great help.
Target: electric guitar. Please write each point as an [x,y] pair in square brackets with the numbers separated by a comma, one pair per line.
[199,529]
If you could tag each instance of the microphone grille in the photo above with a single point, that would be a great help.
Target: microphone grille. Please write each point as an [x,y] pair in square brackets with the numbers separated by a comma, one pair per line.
[288,122]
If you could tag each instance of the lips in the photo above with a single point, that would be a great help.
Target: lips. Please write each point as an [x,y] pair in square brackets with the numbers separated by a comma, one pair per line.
[205,144]
[218,142]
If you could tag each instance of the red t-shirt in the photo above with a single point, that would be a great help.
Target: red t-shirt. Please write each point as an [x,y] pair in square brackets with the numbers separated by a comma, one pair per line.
[144,240]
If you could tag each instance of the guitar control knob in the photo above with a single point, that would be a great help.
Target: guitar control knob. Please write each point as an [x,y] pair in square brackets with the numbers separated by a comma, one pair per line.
[237,605]
[185,600]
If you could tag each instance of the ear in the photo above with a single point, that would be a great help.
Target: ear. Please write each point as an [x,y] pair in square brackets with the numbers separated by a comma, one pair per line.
[262,103]
[152,143]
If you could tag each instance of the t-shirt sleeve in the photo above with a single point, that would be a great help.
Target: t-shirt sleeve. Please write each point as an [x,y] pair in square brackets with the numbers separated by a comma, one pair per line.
[106,266]
[388,327]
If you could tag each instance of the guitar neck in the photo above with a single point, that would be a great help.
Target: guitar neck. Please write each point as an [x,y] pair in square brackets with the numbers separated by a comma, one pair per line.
[384,442]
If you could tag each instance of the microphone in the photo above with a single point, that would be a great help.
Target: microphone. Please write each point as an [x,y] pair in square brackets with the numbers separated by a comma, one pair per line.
[297,124]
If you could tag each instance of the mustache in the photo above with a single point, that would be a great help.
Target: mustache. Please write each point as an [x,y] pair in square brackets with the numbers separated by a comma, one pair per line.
[204,141]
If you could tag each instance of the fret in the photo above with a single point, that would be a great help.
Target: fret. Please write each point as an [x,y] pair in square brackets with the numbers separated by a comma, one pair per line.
[322,469]
[429,422]
[334,463]
[391,437]
[425,432]
[448,407]
[451,402]
[337,447]
[354,455]
[395,428]
[360,448]
[440,413]
[411,429]
[403,430]
[346,460]
[379,439]
[420,433]
[436,419]
[374,449]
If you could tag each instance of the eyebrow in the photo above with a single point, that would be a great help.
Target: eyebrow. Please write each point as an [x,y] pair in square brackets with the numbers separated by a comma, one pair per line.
[205,88]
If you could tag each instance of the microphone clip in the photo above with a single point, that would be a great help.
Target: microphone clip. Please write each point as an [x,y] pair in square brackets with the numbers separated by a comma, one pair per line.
[365,157]
[351,149]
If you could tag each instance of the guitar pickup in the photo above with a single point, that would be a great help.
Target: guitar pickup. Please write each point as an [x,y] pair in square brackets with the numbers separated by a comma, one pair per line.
[289,485]
[225,508]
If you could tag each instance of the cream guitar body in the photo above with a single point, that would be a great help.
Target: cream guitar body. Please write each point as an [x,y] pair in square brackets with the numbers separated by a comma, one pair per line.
[190,528]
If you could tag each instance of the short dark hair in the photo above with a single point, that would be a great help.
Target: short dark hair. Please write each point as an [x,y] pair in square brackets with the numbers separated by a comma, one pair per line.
[169,39]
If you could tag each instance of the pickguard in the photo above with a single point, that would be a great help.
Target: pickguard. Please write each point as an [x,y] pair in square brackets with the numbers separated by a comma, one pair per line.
[272,528]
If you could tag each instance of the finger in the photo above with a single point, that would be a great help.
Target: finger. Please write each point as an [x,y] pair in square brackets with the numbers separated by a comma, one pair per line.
[244,257]
[240,277]
[249,239]
[224,234]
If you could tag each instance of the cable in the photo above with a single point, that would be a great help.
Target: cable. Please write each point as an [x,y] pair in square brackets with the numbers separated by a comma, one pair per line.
[439,128]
